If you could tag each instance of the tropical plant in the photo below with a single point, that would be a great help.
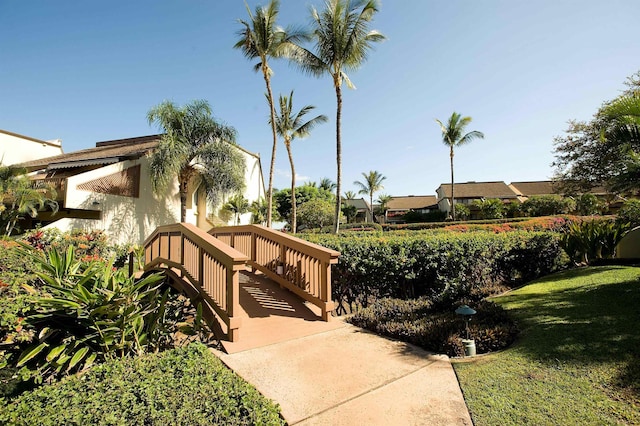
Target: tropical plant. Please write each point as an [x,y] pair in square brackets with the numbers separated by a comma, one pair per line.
[383,200]
[290,126]
[592,239]
[261,38]
[462,210]
[453,135]
[19,198]
[372,183]
[349,211]
[342,42]
[350,195]
[90,313]
[491,208]
[258,210]
[195,149]
[328,184]
[236,205]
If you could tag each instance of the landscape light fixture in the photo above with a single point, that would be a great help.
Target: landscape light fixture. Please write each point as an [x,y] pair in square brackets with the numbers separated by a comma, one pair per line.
[466,313]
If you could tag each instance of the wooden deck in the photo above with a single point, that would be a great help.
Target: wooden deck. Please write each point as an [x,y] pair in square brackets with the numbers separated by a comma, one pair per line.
[270,314]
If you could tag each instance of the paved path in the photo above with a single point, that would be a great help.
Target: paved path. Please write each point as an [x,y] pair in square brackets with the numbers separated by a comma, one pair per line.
[346,376]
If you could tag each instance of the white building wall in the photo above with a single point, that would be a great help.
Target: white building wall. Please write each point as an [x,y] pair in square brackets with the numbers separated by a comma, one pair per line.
[16,148]
[126,220]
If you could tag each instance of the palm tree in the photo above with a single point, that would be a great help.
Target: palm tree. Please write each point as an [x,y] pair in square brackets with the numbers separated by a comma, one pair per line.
[384,200]
[291,126]
[262,39]
[237,205]
[372,184]
[327,184]
[342,42]
[195,149]
[19,198]
[350,195]
[453,135]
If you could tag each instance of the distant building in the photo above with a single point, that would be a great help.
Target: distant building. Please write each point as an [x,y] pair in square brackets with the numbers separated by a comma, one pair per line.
[15,148]
[468,192]
[398,206]
[363,209]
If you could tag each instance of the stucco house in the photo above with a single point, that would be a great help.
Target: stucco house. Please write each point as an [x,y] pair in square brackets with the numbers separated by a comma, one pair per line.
[15,148]
[109,188]
[398,206]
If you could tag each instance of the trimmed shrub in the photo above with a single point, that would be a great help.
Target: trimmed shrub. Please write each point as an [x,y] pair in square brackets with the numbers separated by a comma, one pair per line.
[368,226]
[551,223]
[442,266]
[436,327]
[186,386]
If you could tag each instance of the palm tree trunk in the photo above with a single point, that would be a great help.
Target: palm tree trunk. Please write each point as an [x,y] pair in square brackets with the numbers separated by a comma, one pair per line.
[293,187]
[183,202]
[453,206]
[336,219]
[371,207]
[267,80]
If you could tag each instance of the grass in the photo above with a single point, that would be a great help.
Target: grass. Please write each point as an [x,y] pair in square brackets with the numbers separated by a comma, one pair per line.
[577,359]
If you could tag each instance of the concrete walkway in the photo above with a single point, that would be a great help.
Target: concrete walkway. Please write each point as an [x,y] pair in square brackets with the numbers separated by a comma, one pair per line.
[347,376]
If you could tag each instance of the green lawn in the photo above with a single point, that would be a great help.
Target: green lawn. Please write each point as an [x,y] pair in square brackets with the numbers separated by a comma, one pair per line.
[577,360]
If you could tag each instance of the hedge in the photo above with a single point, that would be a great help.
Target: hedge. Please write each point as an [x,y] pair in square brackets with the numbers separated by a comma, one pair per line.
[185,386]
[441,266]
[548,223]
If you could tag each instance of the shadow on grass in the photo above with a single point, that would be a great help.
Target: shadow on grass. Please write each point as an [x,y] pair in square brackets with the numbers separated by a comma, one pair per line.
[588,324]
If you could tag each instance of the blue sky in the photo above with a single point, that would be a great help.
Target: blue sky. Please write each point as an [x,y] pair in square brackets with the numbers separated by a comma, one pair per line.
[86,71]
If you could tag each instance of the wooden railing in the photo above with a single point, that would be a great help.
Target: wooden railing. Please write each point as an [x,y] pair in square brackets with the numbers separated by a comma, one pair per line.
[207,263]
[300,266]
[57,184]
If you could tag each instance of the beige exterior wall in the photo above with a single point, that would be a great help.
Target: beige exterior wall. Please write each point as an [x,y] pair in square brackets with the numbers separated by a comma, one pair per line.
[16,148]
[128,220]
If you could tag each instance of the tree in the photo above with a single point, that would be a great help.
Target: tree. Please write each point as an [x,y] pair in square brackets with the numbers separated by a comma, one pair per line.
[350,195]
[20,198]
[316,213]
[463,211]
[258,210]
[453,135]
[588,205]
[491,208]
[262,39]
[603,151]
[195,149]
[304,193]
[237,205]
[547,205]
[383,200]
[342,42]
[292,126]
[326,183]
[372,184]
